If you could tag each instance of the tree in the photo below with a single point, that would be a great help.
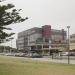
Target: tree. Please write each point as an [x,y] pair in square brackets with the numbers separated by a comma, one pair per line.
[7,18]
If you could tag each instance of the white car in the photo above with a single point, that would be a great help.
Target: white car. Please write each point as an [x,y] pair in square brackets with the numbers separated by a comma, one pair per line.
[64,53]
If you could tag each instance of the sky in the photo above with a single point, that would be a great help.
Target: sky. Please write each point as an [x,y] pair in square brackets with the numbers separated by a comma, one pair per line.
[57,13]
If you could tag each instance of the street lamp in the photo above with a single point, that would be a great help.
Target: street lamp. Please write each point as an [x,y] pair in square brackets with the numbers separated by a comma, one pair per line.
[68,44]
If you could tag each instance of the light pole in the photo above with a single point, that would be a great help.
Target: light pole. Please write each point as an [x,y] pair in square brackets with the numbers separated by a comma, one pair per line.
[68,44]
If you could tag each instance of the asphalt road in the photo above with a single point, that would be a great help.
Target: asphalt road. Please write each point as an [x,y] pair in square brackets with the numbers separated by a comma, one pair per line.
[54,60]
[72,61]
[57,59]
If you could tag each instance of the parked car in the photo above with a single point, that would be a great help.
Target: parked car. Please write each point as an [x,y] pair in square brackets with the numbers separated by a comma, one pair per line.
[72,53]
[68,53]
[20,54]
[9,54]
[36,55]
[64,53]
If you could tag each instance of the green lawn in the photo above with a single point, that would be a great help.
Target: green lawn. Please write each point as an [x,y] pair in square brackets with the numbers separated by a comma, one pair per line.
[20,66]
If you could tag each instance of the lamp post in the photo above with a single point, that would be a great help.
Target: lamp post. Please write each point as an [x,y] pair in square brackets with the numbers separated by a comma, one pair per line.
[68,45]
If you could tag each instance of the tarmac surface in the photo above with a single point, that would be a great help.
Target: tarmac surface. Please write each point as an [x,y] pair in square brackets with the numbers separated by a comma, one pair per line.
[59,60]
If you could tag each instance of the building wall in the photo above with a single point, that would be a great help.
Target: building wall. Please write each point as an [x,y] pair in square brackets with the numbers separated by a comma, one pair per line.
[46,31]
[42,37]
[20,43]
[33,38]
[72,42]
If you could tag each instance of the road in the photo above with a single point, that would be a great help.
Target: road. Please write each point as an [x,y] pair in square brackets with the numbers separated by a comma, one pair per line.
[53,60]
[63,59]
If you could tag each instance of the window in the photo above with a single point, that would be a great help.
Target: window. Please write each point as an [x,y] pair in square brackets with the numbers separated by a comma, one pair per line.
[47,40]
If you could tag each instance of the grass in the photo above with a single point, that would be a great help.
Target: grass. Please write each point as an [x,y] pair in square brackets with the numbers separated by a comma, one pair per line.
[21,66]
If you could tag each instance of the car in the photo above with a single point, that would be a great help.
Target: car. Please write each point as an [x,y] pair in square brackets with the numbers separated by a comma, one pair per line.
[9,54]
[64,53]
[20,54]
[72,53]
[36,55]
[68,53]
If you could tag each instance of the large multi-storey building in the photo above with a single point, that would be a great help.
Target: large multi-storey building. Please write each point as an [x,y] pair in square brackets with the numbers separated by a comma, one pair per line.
[72,42]
[42,39]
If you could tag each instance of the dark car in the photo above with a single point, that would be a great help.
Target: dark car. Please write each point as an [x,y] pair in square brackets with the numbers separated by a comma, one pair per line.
[36,55]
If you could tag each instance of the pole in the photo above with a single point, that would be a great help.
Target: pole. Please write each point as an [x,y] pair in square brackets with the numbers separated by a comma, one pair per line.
[68,45]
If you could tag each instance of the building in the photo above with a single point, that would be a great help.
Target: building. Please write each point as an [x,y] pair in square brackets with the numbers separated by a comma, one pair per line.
[43,40]
[72,42]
